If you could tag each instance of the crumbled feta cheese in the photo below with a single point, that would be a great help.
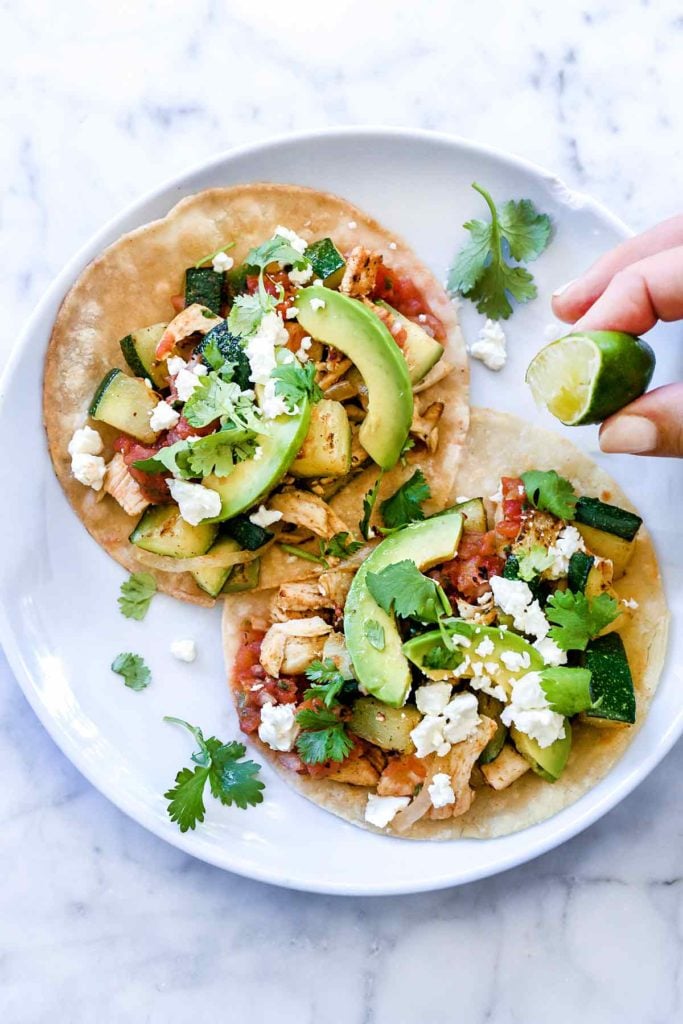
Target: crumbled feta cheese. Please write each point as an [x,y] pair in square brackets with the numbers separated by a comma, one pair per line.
[301,277]
[148,383]
[433,698]
[273,405]
[258,453]
[534,622]
[515,661]
[306,342]
[460,641]
[630,602]
[497,497]
[195,501]
[278,728]
[260,347]
[392,245]
[163,417]
[88,469]
[184,650]
[302,355]
[491,667]
[352,225]
[490,346]
[462,717]
[222,262]
[187,380]
[422,317]
[291,313]
[550,652]
[380,810]
[514,597]
[318,281]
[486,685]
[528,710]
[296,241]
[485,600]
[85,441]
[485,648]
[441,790]
[265,517]
[568,542]
[317,303]
[174,365]
[428,736]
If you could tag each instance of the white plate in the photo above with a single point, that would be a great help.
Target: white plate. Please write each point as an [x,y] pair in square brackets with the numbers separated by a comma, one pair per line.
[59,621]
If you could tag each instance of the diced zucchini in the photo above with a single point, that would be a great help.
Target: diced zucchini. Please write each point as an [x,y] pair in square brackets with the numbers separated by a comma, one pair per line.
[162,531]
[125,403]
[243,577]
[548,762]
[248,535]
[611,681]
[326,450]
[230,347]
[388,728]
[204,286]
[492,708]
[608,545]
[212,580]
[139,351]
[234,282]
[327,262]
[421,351]
[609,518]
[474,514]
[580,565]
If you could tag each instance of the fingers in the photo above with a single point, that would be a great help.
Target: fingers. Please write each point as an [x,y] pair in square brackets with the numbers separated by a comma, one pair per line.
[652,425]
[574,299]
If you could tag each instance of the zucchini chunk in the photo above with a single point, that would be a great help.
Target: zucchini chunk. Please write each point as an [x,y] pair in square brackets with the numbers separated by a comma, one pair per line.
[388,728]
[474,515]
[139,351]
[608,545]
[609,518]
[611,682]
[326,450]
[203,286]
[212,579]
[243,577]
[162,531]
[248,535]
[230,347]
[491,707]
[580,565]
[125,403]
[420,350]
[327,262]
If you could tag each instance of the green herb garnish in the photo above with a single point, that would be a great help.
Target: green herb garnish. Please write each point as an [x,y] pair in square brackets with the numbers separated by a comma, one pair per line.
[136,674]
[578,618]
[294,382]
[405,505]
[368,505]
[136,595]
[401,587]
[549,491]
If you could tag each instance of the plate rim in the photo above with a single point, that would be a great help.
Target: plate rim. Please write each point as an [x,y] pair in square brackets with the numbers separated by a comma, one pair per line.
[56,290]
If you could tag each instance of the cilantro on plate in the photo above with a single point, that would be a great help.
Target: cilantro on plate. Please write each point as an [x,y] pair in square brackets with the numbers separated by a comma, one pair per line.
[549,491]
[136,595]
[401,587]
[136,675]
[481,270]
[276,250]
[577,618]
[201,456]
[231,779]
[405,505]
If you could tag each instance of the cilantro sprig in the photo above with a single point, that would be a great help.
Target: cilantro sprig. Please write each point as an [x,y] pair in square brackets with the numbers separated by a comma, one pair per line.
[550,492]
[136,675]
[577,618]
[294,382]
[136,595]
[339,546]
[323,737]
[405,505]
[201,456]
[369,502]
[402,588]
[481,270]
[231,779]
[328,682]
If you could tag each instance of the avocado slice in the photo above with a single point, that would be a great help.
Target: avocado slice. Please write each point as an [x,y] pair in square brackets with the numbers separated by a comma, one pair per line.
[420,350]
[348,326]
[421,647]
[251,480]
[548,762]
[386,673]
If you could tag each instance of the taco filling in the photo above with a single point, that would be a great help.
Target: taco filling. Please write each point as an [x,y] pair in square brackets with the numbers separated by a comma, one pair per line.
[458,658]
[273,384]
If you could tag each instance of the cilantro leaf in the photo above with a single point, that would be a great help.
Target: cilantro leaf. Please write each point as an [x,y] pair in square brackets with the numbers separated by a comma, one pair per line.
[136,674]
[247,312]
[403,588]
[405,505]
[231,780]
[212,398]
[546,490]
[136,595]
[171,459]
[340,546]
[374,632]
[325,737]
[578,618]
[481,270]
[276,250]
[295,382]
[368,505]
[439,656]
[329,680]
[532,563]
[216,360]
[218,453]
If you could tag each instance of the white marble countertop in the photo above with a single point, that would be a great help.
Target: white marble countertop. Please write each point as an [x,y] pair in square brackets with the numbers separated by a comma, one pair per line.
[99,919]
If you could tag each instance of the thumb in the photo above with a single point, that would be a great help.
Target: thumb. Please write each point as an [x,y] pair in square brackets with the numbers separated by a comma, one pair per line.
[652,425]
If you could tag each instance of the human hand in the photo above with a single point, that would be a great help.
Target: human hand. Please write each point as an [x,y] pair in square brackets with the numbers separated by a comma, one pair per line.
[630,289]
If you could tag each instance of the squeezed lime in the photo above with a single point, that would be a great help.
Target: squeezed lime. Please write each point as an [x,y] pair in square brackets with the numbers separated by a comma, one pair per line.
[587,376]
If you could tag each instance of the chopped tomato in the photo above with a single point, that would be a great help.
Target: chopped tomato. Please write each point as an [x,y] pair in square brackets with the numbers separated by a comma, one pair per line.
[406,297]
[274,282]
[253,687]
[512,489]
[153,485]
[467,575]
[403,773]
[183,430]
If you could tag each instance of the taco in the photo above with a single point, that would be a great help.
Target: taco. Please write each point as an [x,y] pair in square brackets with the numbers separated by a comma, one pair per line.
[481,668]
[240,372]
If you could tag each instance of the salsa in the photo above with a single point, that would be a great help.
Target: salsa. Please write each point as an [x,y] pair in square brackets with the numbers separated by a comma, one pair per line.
[467,575]
[401,293]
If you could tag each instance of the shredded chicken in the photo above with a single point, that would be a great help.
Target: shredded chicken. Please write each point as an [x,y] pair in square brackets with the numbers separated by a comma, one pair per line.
[460,761]
[195,319]
[330,373]
[361,272]
[425,425]
[123,488]
[436,374]
[329,590]
[308,510]
[484,614]
[290,647]
[506,769]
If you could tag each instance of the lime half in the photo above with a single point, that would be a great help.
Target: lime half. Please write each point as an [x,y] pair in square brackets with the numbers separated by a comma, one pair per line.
[584,378]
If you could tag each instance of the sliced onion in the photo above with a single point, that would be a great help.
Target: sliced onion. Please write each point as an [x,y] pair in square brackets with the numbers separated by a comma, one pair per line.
[220,559]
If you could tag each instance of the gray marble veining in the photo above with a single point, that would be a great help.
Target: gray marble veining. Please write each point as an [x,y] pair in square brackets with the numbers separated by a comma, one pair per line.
[99,919]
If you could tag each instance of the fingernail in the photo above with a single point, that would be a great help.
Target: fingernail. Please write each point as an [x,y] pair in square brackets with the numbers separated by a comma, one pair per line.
[632,434]
[563,288]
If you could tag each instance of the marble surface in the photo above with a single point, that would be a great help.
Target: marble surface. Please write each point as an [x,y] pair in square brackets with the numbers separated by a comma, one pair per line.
[100,920]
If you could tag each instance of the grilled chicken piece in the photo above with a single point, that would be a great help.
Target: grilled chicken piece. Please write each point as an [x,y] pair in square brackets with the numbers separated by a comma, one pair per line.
[537,528]
[402,775]
[329,590]
[195,319]
[308,510]
[506,769]
[361,272]
[356,772]
[425,425]
[460,761]
[123,488]
[288,648]
[331,373]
